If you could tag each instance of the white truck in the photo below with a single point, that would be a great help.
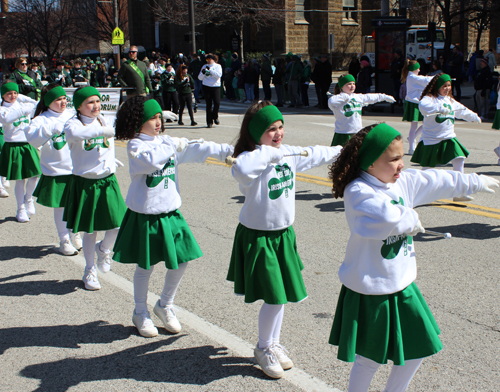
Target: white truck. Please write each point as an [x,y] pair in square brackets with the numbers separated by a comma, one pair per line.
[418,43]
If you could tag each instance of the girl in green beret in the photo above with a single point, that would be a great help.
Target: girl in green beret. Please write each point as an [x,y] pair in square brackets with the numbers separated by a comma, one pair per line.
[415,84]
[94,201]
[347,108]
[381,314]
[439,144]
[46,133]
[19,160]
[265,264]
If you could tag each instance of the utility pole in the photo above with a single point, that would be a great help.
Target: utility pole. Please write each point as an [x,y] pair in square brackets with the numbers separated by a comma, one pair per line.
[191,25]
[117,56]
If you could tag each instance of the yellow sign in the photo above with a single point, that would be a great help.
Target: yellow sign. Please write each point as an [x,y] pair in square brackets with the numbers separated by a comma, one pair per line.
[117,38]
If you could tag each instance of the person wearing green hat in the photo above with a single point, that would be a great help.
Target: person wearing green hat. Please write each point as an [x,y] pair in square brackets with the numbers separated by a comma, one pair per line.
[439,144]
[28,82]
[94,201]
[381,314]
[347,108]
[19,161]
[295,74]
[415,84]
[153,202]
[46,133]
[265,264]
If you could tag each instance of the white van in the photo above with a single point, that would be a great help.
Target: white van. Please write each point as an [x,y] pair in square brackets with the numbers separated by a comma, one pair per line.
[418,44]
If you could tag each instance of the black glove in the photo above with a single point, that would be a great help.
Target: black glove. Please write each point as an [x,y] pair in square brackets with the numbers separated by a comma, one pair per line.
[28,88]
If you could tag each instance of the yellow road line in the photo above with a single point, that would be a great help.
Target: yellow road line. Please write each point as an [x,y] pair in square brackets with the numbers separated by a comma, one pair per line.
[472,209]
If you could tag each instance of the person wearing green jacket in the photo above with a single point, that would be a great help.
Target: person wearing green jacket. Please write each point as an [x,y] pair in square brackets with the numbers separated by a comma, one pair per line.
[185,86]
[134,73]
[170,97]
[26,80]
[305,80]
[58,76]
[294,82]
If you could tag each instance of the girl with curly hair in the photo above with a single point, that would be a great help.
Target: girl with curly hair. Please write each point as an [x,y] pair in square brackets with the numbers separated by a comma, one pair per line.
[439,145]
[19,161]
[415,83]
[94,202]
[381,314]
[153,230]
[46,133]
[265,264]
[347,107]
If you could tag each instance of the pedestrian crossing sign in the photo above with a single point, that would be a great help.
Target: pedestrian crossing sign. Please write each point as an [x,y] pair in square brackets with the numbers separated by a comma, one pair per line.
[117,38]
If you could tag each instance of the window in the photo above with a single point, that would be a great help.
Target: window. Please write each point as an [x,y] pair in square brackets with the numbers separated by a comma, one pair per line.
[300,17]
[348,7]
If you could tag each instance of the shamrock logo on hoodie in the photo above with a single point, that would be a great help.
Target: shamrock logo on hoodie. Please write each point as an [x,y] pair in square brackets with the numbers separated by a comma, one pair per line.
[351,108]
[394,243]
[167,172]
[282,183]
[98,142]
[441,118]
[59,141]
[20,121]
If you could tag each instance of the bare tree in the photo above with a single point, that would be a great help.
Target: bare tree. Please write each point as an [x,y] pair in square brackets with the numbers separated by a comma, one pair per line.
[259,13]
[99,17]
[18,33]
[485,11]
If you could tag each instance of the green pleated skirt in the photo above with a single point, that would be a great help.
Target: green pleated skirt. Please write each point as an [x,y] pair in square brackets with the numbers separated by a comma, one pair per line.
[52,191]
[19,161]
[147,240]
[394,327]
[438,154]
[266,265]
[496,120]
[94,204]
[341,139]
[411,112]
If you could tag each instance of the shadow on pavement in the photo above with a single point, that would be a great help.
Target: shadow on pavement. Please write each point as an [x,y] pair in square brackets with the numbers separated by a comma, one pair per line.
[305,195]
[335,206]
[476,231]
[148,362]
[32,273]
[63,336]
[25,252]
[238,199]
[37,287]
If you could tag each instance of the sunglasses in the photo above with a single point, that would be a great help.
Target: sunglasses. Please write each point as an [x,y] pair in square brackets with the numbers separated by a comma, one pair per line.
[24,63]
[133,51]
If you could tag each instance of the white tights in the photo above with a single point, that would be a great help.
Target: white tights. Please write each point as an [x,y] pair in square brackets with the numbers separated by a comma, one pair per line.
[173,279]
[458,164]
[364,369]
[20,193]
[62,231]
[89,241]
[414,134]
[270,320]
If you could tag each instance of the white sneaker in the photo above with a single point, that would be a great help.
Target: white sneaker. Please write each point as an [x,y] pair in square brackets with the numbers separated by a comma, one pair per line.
[497,151]
[30,206]
[3,192]
[282,355]
[463,198]
[267,360]
[5,182]
[67,249]
[168,317]
[90,279]
[22,215]
[76,240]
[144,324]
[103,259]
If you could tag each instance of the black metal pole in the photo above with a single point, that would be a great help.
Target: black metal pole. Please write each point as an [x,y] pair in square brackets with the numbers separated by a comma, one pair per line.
[191,25]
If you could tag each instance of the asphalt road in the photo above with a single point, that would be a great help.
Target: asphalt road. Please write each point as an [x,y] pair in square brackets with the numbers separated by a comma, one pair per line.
[56,336]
